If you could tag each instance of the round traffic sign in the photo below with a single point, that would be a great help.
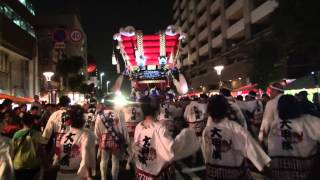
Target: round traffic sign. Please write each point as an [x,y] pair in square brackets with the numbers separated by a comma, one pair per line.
[76,35]
[59,35]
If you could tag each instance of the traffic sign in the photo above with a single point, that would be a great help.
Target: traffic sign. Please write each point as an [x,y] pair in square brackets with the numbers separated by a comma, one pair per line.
[59,35]
[59,45]
[76,35]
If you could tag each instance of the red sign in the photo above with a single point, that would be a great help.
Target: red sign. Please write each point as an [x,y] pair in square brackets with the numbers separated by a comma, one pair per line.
[76,35]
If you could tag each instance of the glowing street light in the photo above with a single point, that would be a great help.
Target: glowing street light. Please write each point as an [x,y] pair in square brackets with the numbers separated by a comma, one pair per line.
[101,75]
[219,71]
[48,75]
[108,86]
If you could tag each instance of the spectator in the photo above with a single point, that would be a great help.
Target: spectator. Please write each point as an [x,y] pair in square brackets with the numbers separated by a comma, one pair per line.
[306,106]
[5,106]
[316,101]
[29,152]
[9,127]
[226,144]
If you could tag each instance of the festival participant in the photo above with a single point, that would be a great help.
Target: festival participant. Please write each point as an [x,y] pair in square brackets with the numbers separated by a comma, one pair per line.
[6,153]
[271,111]
[235,113]
[154,149]
[165,116]
[292,141]
[90,117]
[226,144]
[196,115]
[75,151]
[57,124]
[132,115]
[253,109]
[113,139]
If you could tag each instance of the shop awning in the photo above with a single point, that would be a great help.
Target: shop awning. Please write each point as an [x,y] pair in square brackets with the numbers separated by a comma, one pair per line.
[248,87]
[16,99]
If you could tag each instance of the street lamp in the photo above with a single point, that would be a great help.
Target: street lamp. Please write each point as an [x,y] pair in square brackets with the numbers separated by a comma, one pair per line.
[219,70]
[101,74]
[108,86]
[48,75]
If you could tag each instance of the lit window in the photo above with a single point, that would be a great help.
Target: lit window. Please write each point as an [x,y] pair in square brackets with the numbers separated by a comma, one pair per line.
[9,13]
[28,5]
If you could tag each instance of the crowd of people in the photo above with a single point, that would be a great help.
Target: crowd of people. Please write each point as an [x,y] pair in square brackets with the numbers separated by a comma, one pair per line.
[277,136]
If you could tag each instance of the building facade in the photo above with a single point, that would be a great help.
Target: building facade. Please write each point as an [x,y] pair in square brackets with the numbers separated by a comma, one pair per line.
[220,32]
[18,58]
[54,42]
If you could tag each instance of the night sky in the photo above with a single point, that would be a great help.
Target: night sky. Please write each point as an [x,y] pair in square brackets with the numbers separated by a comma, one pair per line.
[103,18]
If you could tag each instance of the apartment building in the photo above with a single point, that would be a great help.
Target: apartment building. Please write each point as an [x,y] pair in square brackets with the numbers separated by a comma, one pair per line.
[220,32]
[18,59]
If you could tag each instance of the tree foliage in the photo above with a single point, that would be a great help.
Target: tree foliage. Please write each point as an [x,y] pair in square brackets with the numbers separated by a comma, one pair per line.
[68,69]
[267,62]
[295,25]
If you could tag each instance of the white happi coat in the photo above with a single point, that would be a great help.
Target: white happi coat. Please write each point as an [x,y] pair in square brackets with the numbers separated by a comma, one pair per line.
[165,116]
[226,144]
[196,115]
[132,115]
[304,137]
[6,166]
[90,119]
[55,126]
[106,139]
[237,114]
[292,145]
[270,114]
[77,153]
[155,149]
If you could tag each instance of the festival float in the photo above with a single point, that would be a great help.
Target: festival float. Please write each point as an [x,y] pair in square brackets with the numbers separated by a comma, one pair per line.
[150,60]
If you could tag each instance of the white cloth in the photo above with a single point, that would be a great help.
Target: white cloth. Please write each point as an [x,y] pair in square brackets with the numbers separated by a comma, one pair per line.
[250,105]
[82,154]
[132,115]
[119,126]
[190,113]
[304,137]
[196,115]
[155,149]
[270,114]
[235,143]
[6,166]
[239,117]
[54,126]
[90,119]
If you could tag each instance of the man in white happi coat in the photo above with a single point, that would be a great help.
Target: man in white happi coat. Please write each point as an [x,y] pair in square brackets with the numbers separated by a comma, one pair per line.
[195,115]
[6,154]
[90,117]
[271,111]
[226,144]
[253,109]
[293,142]
[77,159]
[131,114]
[235,113]
[113,139]
[155,150]
[57,124]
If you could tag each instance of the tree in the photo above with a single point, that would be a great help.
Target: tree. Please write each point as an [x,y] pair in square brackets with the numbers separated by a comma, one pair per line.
[268,64]
[296,27]
[69,68]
